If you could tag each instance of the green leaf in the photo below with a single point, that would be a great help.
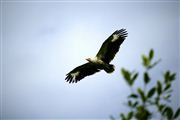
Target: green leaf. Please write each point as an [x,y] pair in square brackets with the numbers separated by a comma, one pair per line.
[177,113]
[169,77]
[146,61]
[133,96]
[130,77]
[151,54]
[122,116]
[141,93]
[130,115]
[157,100]
[135,76]
[166,76]
[146,78]
[168,85]
[161,107]
[127,76]
[151,92]
[159,87]
[142,113]
[130,103]
[135,104]
[172,77]
[168,112]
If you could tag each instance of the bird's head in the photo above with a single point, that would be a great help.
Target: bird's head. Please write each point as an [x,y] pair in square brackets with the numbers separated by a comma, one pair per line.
[88,59]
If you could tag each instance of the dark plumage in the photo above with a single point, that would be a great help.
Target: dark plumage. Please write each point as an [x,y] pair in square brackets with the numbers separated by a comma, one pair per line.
[101,61]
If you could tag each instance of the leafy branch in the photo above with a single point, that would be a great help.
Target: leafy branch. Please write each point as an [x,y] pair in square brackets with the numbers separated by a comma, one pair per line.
[142,100]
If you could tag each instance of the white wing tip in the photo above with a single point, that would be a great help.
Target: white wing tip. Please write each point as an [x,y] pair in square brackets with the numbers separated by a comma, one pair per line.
[119,33]
[74,75]
[71,77]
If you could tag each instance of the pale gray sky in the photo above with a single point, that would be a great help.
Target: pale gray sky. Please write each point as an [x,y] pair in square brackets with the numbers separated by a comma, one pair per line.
[42,41]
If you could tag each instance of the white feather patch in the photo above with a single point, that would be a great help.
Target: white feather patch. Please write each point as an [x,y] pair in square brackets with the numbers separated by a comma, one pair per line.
[75,74]
[115,37]
[97,60]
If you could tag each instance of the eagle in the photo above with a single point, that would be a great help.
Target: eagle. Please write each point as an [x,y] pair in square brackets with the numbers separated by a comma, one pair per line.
[102,59]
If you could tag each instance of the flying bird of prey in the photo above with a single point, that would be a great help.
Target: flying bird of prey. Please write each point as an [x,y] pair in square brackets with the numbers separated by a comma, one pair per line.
[101,61]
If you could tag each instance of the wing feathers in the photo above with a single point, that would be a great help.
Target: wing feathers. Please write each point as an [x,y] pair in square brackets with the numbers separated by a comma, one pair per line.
[111,45]
[80,72]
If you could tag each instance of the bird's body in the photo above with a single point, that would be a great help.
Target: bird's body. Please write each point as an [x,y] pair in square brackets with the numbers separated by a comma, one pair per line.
[101,61]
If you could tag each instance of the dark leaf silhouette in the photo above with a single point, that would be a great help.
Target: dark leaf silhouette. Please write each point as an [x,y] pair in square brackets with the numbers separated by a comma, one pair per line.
[151,54]
[130,115]
[146,78]
[159,87]
[135,76]
[151,92]
[141,93]
[133,95]
[168,112]
[146,61]
[168,85]
[126,74]
[177,113]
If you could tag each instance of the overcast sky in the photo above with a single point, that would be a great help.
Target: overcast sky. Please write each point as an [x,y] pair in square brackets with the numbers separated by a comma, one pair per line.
[43,41]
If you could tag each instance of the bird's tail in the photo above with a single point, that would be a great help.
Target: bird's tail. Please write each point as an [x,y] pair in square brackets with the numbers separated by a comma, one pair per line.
[109,68]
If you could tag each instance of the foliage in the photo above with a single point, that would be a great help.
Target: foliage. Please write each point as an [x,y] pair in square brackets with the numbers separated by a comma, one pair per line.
[143,100]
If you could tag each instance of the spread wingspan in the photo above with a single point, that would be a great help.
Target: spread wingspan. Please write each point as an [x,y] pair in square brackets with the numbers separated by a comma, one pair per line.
[111,46]
[106,53]
[80,72]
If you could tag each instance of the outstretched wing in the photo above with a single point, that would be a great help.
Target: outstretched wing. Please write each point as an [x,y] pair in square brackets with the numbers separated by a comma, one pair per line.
[111,45]
[80,72]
